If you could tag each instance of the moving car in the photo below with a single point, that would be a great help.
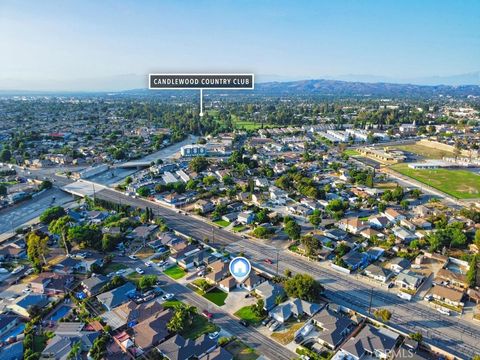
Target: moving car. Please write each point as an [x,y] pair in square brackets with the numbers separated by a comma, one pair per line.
[140,271]
[443,311]
[213,335]
[243,323]
[207,314]
[168,296]
[268,261]
[133,257]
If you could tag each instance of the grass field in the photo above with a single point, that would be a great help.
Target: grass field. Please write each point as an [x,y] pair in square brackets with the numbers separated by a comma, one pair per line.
[175,272]
[461,184]
[240,351]
[246,313]
[222,223]
[239,228]
[425,151]
[351,152]
[216,296]
[112,267]
[287,336]
[200,325]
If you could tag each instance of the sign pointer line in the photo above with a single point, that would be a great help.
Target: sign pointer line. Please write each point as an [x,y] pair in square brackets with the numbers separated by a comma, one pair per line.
[201,102]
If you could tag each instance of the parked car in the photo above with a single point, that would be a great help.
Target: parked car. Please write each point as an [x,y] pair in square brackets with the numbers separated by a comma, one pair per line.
[243,323]
[168,296]
[298,339]
[268,261]
[390,285]
[428,297]
[148,263]
[274,326]
[133,257]
[443,311]
[213,335]
[265,321]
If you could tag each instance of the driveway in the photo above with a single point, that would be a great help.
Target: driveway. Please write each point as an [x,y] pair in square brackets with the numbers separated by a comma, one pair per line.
[236,300]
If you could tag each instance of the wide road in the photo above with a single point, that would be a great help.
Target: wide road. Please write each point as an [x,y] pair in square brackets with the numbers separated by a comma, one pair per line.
[261,343]
[449,333]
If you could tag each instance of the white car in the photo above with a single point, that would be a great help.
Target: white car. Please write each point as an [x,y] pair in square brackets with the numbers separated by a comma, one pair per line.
[443,311]
[133,257]
[18,269]
[27,291]
[121,271]
[428,297]
[148,263]
[140,271]
[168,296]
[213,335]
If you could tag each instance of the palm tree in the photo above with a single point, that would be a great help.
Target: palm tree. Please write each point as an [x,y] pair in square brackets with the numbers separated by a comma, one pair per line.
[75,351]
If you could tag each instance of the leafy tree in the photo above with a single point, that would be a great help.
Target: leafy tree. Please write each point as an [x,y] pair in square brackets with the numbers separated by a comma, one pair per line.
[147,281]
[51,214]
[476,241]
[5,155]
[316,218]
[143,191]
[311,245]
[60,227]
[417,337]
[182,318]
[292,229]
[99,347]
[37,249]
[383,314]
[75,351]
[45,185]
[261,232]
[198,164]
[288,273]
[3,190]
[259,308]
[304,287]
[472,271]
[86,236]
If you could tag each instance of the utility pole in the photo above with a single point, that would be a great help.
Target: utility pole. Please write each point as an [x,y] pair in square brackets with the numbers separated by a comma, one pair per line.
[213,235]
[277,261]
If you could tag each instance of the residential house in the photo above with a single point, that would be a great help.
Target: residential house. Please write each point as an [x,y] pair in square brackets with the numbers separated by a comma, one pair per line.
[355,260]
[281,313]
[227,284]
[352,225]
[409,280]
[12,252]
[152,331]
[117,296]
[23,304]
[143,232]
[378,222]
[336,234]
[130,313]
[371,341]
[51,283]
[455,279]
[252,281]
[335,327]
[399,264]
[219,271]
[246,217]
[179,348]
[374,253]
[393,215]
[204,206]
[378,273]
[66,336]
[12,351]
[403,234]
[94,284]
[7,324]
[295,307]
[218,354]
[447,295]
[270,293]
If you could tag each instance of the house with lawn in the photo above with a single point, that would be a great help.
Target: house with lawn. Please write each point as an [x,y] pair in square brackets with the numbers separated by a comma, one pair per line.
[94,284]
[246,217]
[151,331]
[218,271]
[447,295]
[355,260]
[51,283]
[130,313]
[352,225]
[26,303]
[399,264]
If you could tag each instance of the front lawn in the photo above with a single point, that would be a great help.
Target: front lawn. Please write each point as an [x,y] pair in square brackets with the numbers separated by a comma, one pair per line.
[286,337]
[239,228]
[199,326]
[216,296]
[246,313]
[222,223]
[241,351]
[175,272]
[351,152]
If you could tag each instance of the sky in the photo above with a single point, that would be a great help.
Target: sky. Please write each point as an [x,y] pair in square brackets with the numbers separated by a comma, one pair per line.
[114,44]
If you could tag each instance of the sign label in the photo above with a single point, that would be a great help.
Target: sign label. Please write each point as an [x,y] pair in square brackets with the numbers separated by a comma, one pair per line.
[201,81]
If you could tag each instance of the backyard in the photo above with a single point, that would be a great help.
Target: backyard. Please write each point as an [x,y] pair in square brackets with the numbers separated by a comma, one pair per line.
[240,351]
[461,184]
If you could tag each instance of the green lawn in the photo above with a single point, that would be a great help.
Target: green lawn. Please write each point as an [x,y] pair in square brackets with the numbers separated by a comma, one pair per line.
[39,343]
[199,326]
[351,152]
[175,272]
[246,313]
[216,296]
[461,184]
[222,223]
[239,228]
[241,351]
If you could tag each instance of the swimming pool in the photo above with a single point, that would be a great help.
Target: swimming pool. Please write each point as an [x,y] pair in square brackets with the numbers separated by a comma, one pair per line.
[60,313]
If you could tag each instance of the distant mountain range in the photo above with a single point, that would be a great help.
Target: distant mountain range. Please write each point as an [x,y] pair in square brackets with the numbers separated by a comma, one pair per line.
[330,88]
[337,88]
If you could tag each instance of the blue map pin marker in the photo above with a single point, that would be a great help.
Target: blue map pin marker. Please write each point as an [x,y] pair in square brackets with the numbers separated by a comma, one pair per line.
[240,268]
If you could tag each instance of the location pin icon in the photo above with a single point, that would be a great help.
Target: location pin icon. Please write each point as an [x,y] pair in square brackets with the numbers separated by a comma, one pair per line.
[240,269]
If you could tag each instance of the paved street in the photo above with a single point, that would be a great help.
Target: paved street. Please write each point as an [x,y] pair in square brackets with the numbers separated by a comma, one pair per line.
[461,338]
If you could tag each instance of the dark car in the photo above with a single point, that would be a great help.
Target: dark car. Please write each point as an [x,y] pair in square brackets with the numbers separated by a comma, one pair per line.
[298,339]
[268,261]
[390,285]
[243,323]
